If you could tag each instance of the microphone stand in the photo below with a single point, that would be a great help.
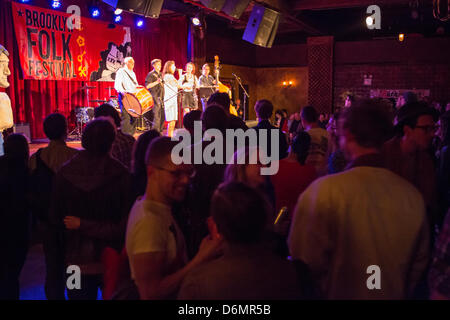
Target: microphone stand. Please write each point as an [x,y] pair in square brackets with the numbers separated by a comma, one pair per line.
[245,93]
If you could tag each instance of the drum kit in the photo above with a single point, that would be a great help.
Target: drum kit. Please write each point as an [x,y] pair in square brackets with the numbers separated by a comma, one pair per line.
[136,104]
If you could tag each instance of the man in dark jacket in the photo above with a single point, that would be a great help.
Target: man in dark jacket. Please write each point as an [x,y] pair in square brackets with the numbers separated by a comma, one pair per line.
[90,205]
[264,110]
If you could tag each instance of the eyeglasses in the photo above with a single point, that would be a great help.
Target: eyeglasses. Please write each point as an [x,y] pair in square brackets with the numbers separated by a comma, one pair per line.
[179,173]
[429,128]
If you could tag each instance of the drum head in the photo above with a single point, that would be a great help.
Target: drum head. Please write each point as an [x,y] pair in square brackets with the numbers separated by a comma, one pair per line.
[131,104]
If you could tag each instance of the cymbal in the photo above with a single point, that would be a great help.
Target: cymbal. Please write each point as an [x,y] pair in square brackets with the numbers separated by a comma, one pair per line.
[87,87]
[97,100]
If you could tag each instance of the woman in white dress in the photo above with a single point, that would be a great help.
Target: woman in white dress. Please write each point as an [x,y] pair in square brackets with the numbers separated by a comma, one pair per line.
[171,87]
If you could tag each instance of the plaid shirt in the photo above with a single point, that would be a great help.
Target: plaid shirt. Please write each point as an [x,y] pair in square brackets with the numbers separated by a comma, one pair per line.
[122,148]
[439,276]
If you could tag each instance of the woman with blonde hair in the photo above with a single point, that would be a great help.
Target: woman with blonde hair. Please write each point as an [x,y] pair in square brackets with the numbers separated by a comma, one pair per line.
[170,96]
[189,83]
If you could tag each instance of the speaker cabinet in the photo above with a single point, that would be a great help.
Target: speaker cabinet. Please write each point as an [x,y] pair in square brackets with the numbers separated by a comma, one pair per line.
[262,26]
[147,8]
[215,5]
[235,8]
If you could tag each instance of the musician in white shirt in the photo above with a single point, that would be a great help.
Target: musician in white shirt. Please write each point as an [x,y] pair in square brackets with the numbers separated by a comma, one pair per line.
[126,82]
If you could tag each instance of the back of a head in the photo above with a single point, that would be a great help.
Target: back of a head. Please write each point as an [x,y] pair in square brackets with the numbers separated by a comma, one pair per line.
[16,148]
[300,146]
[240,213]
[309,114]
[214,117]
[263,109]
[368,122]
[55,126]
[140,149]
[98,136]
[158,151]
[190,118]
[107,110]
[220,98]
[410,97]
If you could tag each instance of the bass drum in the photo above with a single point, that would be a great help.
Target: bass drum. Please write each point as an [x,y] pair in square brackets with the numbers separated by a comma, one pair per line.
[138,103]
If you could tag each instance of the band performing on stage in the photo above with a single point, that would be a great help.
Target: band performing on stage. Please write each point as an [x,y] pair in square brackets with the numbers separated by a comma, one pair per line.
[158,100]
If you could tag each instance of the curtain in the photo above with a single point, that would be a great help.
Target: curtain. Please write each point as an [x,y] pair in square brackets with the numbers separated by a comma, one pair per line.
[33,100]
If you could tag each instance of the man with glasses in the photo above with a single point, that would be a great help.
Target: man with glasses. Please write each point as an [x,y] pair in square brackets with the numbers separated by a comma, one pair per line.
[407,154]
[155,245]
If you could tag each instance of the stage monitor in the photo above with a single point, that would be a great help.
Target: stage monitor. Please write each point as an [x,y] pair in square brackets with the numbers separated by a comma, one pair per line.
[215,5]
[147,8]
[235,8]
[262,26]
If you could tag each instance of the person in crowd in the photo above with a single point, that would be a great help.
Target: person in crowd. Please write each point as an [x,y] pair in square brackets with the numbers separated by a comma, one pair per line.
[336,160]
[90,204]
[439,275]
[14,214]
[280,120]
[447,107]
[205,181]
[293,175]
[123,143]
[189,119]
[43,166]
[406,98]
[407,153]
[318,152]
[295,126]
[323,121]
[223,99]
[351,226]
[138,166]
[154,242]
[264,110]
[349,101]
[443,172]
[247,270]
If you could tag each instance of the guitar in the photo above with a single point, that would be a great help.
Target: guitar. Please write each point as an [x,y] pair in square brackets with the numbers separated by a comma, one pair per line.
[222,87]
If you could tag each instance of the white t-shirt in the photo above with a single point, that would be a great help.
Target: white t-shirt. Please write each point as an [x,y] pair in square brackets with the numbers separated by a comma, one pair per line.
[6,114]
[125,80]
[152,228]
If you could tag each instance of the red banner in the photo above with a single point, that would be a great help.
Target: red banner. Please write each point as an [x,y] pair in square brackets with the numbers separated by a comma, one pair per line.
[49,50]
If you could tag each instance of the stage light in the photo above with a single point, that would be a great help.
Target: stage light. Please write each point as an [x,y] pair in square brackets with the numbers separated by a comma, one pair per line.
[401,37]
[24,1]
[196,21]
[140,23]
[95,12]
[369,21]
[118,11]
[56,4]
[117,19]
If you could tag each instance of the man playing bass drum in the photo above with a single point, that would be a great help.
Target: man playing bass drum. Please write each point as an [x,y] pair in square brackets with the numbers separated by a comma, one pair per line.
[126,82]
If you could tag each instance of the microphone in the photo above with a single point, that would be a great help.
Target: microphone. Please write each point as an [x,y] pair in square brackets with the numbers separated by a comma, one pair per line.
[235,76]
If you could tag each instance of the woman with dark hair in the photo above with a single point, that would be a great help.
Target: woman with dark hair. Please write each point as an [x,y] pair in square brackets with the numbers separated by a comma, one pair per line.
[138,166]
[14,214]
[336,159]
[171,87]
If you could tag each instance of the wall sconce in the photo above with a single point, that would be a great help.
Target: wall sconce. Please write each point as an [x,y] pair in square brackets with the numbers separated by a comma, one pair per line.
[288,83]
[368,79]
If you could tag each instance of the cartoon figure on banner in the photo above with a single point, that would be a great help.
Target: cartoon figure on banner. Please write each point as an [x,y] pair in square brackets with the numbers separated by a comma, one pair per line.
[6,115]
[112,59]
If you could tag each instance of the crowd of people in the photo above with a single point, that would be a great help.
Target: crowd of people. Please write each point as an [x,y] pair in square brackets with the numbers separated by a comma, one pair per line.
[357,208]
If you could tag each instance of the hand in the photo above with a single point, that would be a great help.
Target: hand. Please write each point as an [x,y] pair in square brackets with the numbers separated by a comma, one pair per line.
[72,223]
[209,249]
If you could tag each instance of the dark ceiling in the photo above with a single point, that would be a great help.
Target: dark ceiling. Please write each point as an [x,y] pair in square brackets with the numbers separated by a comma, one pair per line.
[343,19]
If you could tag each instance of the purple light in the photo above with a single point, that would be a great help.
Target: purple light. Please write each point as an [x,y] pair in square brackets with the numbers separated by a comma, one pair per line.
[117,19]
[140,23]
[95,13]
